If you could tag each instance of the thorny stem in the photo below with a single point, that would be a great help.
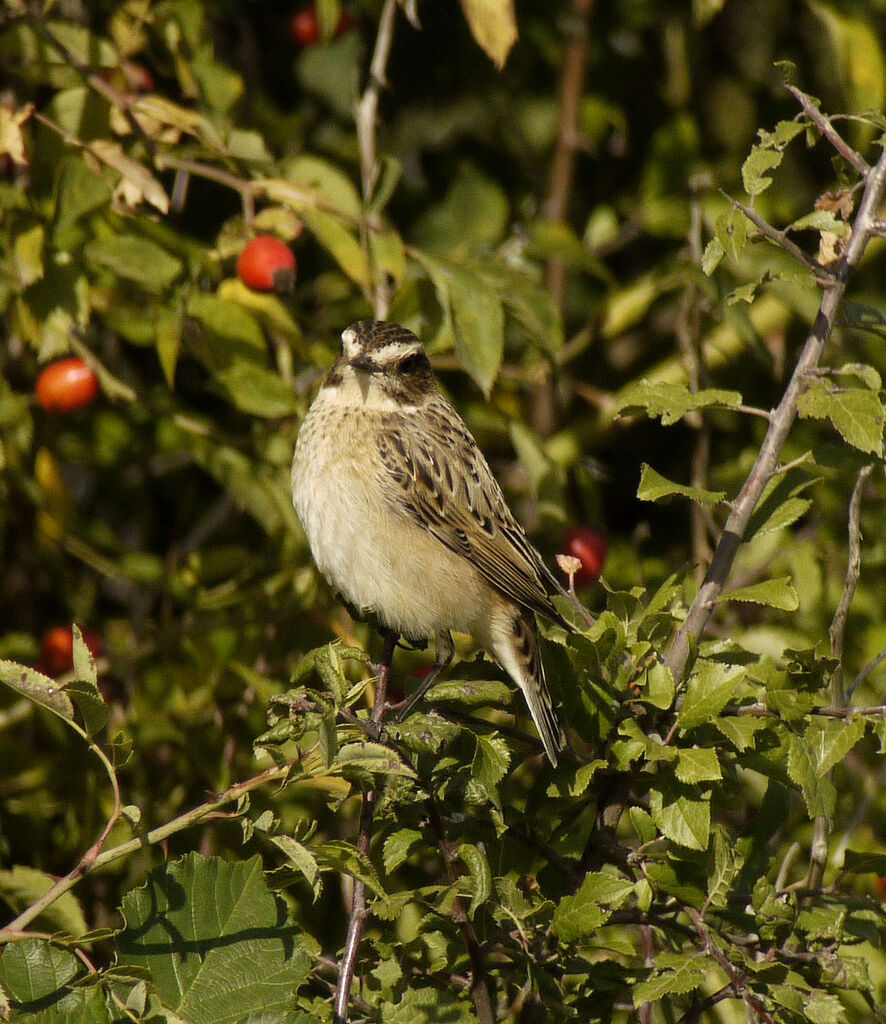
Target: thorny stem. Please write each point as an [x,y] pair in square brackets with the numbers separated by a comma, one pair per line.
[359,909]
[367,124]
[779,427]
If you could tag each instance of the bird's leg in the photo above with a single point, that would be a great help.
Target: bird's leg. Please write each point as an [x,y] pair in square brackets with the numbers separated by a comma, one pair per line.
[445,651]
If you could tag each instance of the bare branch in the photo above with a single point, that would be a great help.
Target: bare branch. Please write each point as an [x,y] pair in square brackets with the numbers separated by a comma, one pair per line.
[827,130]
[779,427]
[780,238]
[359,909]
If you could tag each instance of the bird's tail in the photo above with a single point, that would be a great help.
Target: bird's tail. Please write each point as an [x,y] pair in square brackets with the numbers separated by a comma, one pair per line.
[519,655]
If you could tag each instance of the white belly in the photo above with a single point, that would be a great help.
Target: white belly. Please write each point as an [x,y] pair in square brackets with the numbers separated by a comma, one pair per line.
[371,552]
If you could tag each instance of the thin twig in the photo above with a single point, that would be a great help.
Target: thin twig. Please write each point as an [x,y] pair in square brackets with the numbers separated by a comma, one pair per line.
[367,125]
[479,975]
[359,909]
[865,672]
[779,427]
[837,629]
[827,130]
[782,239]
[158,835]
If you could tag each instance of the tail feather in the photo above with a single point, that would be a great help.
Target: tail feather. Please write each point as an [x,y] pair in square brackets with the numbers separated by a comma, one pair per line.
[519,656]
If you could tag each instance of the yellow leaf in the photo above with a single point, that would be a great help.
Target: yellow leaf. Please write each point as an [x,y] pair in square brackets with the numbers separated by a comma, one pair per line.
[140,184]
[493,25]
[11,139]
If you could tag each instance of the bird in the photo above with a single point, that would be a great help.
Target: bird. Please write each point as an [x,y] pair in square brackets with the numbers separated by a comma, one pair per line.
[406,521]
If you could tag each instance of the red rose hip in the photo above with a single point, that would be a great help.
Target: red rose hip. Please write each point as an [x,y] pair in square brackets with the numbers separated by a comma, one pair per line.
[66,385]
[57,649]
[267,265]
[589,546]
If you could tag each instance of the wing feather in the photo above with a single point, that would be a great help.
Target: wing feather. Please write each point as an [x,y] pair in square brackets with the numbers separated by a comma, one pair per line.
[437,475]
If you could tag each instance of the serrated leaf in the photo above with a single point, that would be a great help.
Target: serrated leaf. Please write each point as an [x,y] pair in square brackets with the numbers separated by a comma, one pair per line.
[697,764]
[481,874]
[212,936]
[830,740]
[775,593]
[398,847]
[301,858]
[36,687]
[728,862]
[707,693]
[600,894]
[671,402]
[371,757]
[493,25]
[683,818]
[491,760]
[856,413]
[818,790]
[674,976]
[470,692]
[654,487]
[787,513]
[344,857]
[430,1005]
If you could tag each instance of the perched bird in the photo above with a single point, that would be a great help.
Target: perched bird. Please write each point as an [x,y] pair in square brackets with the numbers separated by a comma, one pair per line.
[407,522]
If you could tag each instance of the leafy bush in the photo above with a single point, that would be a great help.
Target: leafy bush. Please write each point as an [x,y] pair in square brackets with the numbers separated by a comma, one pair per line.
[207,814]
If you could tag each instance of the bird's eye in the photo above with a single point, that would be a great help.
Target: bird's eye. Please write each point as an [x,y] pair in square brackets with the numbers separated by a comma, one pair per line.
[413,363]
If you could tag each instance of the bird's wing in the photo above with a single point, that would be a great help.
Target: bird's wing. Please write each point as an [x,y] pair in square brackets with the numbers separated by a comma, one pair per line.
[436,474]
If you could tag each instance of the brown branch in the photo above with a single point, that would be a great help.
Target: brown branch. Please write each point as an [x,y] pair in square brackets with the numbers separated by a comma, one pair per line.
[563,165]
[359,909]
[479,976]
[779,427]
[827,130]
[192,817]
[781,238]
[853,569]
[367,123]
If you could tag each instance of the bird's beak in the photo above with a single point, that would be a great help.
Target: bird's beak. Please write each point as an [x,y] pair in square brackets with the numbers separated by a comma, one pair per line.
[363,363]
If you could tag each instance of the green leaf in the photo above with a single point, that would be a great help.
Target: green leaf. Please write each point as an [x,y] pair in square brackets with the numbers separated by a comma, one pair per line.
[675,974]
[600,894]
[36,687]
[493,25]
[712,256]
[135,258]
[732,233]
[211,935]
[371,757]
[803,769]
[787,513]
[728,862]
[21,886]
[479,322]
[698,764]
[671,402]
[708,692]
[35,976]
[301,858]
[398,847]
[491,760]
[470,692]
[775,593]
[79,192]
[856,413]
[830,740]
[681,816]
[481,875]
[329,182]
[257,390]
[864,863]
[470,220]
[754,176]
[654,487]
[336,238]
[343,857]
[657,686]
[429,1005]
